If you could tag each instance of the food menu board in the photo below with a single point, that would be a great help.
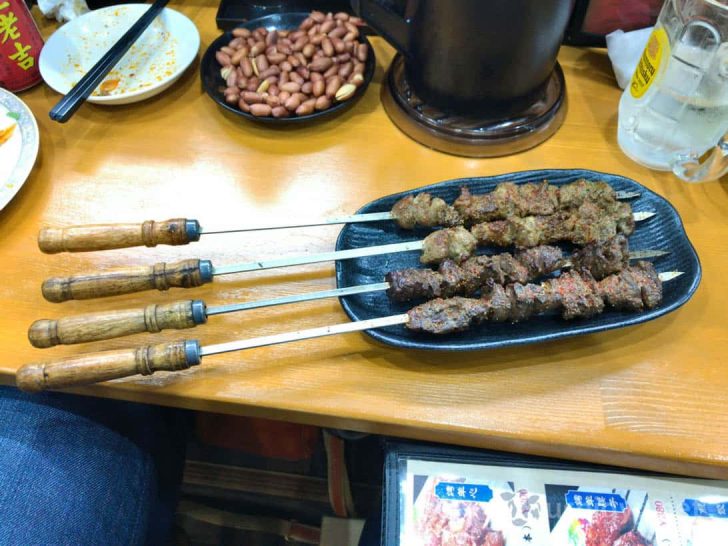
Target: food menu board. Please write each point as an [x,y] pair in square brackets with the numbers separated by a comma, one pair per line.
[447,503]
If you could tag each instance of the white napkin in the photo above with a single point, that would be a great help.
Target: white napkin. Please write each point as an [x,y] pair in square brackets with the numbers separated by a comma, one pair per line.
[62,10]
[624,50]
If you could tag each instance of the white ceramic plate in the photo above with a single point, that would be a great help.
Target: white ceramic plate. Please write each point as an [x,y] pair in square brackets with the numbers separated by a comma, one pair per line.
[153,63]
[17,153]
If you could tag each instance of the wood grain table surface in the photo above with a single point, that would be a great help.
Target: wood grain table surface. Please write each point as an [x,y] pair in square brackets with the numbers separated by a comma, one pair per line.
[653,396]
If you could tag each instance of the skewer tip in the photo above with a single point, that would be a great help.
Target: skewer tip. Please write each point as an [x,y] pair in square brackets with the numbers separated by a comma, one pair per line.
[669,275]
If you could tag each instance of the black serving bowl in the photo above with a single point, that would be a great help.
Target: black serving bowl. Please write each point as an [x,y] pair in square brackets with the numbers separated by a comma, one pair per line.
[214,85]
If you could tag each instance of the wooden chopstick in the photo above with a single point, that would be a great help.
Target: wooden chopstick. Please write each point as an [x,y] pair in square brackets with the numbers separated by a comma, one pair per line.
[68,105]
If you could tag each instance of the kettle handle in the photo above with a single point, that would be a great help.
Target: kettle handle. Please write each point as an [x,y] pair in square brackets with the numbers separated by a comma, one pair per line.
[394,28]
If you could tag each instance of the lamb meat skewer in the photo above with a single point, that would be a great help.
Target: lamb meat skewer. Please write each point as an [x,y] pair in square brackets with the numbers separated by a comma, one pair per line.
[466,278]
[403,285]
[577,295]
[580,226]
[420,210]
[505,201]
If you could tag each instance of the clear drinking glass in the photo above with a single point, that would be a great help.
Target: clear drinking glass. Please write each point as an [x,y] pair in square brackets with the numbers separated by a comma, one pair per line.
[676,106]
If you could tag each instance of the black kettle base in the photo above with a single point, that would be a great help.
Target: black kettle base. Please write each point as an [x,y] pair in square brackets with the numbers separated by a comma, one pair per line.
[474,136]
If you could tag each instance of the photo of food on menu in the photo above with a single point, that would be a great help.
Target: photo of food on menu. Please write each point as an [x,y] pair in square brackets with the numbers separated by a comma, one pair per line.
[448,504]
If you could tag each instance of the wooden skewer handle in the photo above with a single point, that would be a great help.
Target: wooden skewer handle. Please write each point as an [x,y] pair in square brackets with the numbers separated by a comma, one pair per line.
[96,367]
[178,231]
[125,280]
[111,324]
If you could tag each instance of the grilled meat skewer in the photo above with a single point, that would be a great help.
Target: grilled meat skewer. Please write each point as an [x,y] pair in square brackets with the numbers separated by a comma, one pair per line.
[466,278]
[575,294]
[505,201]
[587,224]
[181,355]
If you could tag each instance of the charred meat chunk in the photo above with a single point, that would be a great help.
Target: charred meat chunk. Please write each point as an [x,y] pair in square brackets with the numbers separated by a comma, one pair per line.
[444,316]
[635,288]
[455,243]
[602,259]
[424,210]
[471,275]
[575,193]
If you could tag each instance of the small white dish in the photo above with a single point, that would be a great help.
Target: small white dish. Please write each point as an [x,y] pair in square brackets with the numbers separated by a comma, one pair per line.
[153,63]
[19,150]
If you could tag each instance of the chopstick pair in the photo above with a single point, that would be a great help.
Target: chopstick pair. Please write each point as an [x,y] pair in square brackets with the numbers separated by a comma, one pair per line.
[71,102]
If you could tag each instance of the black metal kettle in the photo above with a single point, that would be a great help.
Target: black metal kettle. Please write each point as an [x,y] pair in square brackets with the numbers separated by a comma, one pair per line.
[472,55]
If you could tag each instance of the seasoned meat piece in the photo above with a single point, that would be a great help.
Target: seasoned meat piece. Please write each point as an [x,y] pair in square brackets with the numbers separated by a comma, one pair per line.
[602,259]
[572,195]
[494,538]
[444,316]
[423,210]
[455,243]
[522,232]
[530,299]
[606,527]
[509,199]
[635,288]
[409,284]
[632,538]
[589,223]
[467,278]
[578,295]
[499,303]
[540,260]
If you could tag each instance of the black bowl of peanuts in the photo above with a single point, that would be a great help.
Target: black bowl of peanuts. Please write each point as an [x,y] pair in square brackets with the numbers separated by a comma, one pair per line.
[289,67]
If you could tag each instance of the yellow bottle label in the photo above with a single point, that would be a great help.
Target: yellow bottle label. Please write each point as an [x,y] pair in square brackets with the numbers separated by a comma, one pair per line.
[657,48]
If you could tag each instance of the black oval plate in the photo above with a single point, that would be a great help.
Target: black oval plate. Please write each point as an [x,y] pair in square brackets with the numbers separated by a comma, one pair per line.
[663,231]
[214,85]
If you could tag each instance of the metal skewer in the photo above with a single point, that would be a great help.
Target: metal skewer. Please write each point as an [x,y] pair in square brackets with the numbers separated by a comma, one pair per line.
[184,314]
[194,272]
[177,231]
[179,355]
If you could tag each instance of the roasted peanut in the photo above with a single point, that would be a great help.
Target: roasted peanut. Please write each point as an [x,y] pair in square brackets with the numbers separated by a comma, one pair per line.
[280,112]
[327,47]
[362,50]
[276,58]
[346,69]
[241,33]
[262,63]
[318,87]
[306,88]
[270,71]
[308,50]
[263,87]
[331,71]
[284,95]
[272,101]
[332,86]
[345,92]
[292,103]
[243,105]
[338,32]
[271,38]
[257,49]
[327,26]
[318,16]
[251,97]
[320,64]
[246,66]
[322,103]
[296,77]
[306,108]
[291,87]
[260,110]
[341,16]
[222,58]
[232,98]
[238,56]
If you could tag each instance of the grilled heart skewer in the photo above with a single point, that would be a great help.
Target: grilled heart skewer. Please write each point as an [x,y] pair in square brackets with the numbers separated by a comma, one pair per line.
[452,243]
[635,288]
[420,210]
[403,285]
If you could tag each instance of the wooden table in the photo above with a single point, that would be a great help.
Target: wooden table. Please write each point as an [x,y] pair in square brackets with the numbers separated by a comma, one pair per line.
[652,396]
